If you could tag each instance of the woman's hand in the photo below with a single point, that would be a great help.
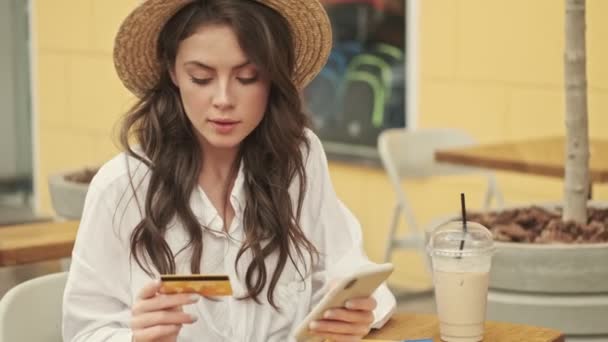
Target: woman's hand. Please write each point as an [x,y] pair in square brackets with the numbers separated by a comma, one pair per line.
[350,323]
[159,317]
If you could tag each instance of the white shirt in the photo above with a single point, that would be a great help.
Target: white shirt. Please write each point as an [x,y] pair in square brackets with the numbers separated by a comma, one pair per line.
[104,280]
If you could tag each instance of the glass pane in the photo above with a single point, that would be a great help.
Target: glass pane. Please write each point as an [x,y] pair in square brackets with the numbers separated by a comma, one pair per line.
[361,90]
[15,115]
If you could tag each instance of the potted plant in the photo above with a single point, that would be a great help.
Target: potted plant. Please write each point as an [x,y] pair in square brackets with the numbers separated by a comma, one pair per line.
[68,191]
[550,268]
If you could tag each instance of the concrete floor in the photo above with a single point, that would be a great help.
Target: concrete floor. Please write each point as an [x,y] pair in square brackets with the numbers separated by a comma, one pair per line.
[417,303]
[11,276]
[17,214]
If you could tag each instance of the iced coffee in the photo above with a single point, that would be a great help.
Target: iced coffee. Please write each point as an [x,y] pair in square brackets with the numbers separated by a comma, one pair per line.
[461,261]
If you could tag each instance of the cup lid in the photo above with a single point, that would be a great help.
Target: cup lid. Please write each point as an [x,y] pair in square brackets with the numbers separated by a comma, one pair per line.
[451,240]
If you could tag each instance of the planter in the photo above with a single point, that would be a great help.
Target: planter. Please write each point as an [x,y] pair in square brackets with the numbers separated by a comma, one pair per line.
[558,286]
[68,191]
[561,286]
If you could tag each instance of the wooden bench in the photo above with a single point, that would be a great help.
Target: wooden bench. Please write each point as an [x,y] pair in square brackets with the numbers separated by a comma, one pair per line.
[36,242]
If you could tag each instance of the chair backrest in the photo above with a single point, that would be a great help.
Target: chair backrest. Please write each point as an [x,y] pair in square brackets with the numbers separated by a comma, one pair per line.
[411,153]
[32,310]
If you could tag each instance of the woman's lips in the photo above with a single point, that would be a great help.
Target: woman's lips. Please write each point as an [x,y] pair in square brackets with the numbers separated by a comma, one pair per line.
[224,126]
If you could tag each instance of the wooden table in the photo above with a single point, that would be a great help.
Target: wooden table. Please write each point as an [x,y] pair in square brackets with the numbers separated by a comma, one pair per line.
[543,156]
[29,243]
[418,326]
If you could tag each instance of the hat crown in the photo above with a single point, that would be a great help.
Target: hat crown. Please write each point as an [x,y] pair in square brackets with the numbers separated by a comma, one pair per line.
[135,48]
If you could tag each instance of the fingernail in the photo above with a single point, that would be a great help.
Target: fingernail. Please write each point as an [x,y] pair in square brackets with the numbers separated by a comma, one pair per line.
[327,314]
[348,305]
[194,318]
[313,325]
[195,298]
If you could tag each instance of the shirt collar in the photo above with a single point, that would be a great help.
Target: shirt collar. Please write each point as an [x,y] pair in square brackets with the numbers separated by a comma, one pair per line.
[207,213]
[237,195]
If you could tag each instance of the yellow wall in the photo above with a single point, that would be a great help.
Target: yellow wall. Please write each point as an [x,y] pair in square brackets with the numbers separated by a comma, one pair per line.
[495,69]
[78,95]
[490,67]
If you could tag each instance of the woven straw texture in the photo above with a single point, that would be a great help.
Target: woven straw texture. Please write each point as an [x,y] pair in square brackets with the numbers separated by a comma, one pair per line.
[136,42]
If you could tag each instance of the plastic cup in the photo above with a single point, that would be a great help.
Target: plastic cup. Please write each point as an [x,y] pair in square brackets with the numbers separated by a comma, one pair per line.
[461,262]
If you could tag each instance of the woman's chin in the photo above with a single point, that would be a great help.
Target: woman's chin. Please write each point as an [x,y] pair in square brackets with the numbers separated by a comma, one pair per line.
[224,142]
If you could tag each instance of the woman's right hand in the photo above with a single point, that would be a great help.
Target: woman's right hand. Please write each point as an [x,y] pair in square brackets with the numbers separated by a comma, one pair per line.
[159,317]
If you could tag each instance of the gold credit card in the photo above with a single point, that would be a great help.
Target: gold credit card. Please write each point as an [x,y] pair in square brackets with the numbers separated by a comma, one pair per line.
[205,285]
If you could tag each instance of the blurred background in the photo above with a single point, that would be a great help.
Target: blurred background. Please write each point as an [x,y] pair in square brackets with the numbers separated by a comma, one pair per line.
[492,68]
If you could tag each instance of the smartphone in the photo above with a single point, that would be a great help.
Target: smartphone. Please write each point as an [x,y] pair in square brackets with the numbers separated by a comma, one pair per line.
[361,283]
[205,285]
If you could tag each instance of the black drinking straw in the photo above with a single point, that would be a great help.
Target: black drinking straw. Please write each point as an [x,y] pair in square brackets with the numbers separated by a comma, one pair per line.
[464,219]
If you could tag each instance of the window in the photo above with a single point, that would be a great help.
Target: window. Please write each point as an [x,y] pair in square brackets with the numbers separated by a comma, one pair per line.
[362,89]
[15,113]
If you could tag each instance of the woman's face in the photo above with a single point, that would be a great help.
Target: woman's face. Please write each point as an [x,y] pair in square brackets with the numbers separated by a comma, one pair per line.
[223,93]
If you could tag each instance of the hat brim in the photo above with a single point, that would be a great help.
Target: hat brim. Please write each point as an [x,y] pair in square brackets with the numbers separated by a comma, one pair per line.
[135,47]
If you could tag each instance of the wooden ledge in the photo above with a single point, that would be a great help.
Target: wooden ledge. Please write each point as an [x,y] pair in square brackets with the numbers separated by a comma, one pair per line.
[36,242]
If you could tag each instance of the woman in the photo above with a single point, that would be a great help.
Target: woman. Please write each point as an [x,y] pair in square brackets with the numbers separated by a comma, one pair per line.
[219,176]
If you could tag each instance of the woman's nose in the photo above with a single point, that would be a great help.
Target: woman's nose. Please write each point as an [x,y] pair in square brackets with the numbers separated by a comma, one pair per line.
[222,98]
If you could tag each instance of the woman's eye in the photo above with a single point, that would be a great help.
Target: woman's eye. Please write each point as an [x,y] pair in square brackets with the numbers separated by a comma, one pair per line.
[200,81]
[247,80]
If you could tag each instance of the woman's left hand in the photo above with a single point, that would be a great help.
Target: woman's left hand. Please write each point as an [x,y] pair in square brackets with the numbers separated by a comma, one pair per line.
[350,323]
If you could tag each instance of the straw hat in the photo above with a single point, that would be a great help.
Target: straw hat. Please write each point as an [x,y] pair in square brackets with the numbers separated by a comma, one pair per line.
[135,47]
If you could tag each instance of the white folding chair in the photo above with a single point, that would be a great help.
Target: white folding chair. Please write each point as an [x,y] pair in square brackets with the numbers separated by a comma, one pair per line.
[32,310]
[410,154]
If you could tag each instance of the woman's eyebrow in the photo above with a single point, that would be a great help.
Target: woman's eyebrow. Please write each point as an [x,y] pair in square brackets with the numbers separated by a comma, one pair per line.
[202,65]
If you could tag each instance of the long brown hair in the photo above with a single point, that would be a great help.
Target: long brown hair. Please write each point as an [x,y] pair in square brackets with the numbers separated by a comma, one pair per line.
[271,155]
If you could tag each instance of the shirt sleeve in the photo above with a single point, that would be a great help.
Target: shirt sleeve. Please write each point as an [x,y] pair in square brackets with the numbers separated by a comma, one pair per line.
[337,235]
[97,299]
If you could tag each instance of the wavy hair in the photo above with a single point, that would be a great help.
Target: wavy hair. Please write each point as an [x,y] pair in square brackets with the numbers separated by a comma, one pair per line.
[271,155]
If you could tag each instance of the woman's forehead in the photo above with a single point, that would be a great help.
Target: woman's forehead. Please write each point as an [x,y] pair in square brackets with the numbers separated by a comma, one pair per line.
[212,46]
